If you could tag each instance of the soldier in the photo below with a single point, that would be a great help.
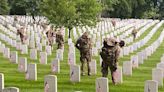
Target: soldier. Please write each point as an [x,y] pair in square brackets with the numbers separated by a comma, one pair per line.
[15,21]
[84,44]
[22,33]
[60,40]
[114,23]
[134,33]
[50,35]
[110,53]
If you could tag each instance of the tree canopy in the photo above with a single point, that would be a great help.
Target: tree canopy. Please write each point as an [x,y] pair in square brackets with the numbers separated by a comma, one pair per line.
[71,13]
[4,7]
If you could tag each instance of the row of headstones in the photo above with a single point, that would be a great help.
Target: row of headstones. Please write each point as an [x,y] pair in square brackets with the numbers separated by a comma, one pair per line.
[102,85]
[31,40]
[157,78]
[139,44]
[133,47]
[125,34]
[157,73]
[33,52]
[98,44]
[141,31]
[141,56]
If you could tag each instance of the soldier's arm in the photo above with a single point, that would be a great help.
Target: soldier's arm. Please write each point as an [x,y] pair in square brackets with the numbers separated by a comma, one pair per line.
[77,44]
[117,54]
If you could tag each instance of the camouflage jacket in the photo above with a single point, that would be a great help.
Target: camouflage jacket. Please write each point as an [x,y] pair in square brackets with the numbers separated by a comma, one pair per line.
[84,44]
[59,38]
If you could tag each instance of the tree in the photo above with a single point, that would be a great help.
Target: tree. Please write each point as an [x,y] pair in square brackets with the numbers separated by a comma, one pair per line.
[33,7]
[122,9]
[4,7]
[17,7]
[108,7]
[71,13]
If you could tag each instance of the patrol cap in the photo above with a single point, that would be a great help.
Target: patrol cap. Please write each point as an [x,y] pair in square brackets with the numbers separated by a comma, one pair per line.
[111,41]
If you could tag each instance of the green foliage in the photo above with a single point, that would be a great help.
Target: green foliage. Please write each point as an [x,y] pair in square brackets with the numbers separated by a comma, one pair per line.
[4,7]
[122,9]
[70,13]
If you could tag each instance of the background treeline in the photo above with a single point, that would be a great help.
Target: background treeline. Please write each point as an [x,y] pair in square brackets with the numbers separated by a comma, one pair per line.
[110,8]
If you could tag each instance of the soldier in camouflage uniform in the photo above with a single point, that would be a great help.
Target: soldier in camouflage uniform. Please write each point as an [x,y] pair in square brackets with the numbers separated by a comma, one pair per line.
[50,35]
[22,33]
[84,44]
[15,21]
[110,53]
[59,40]
[134,33]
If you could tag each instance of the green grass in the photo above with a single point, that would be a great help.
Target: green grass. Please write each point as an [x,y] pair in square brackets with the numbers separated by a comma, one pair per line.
[134,83]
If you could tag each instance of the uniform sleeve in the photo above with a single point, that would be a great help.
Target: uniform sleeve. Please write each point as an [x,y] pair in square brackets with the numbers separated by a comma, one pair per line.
[117,53]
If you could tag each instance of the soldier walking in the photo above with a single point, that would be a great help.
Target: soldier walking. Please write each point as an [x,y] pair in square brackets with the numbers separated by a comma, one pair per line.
[23,34]
[84,45]
[50,35]
[134,33]
[59,40]
[110,53]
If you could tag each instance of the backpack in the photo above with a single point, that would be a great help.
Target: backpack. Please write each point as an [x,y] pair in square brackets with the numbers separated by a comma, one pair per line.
[108,55]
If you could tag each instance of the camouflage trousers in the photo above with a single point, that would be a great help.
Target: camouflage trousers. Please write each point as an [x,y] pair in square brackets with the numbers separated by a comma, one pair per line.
[23,39]
[134,36]
[112,68]
[85,58]
[60,45]
[50,41]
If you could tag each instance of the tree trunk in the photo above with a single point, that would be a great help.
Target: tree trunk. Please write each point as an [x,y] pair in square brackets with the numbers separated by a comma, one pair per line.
[69,29]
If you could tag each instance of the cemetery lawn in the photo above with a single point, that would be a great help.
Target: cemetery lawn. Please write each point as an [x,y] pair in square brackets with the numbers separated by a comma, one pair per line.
[134,83]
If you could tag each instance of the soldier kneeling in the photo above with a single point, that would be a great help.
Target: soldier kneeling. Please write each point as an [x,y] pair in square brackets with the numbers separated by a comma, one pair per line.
[110,53]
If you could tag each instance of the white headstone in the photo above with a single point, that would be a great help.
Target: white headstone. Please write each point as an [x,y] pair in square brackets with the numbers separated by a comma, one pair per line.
[24,49]
[55,66]
[6,53]
[22,64]
[134,60]
[43,57]
[75,73]
[50,83]
[140,57]
[93,66]
[151,86]
[18,46]
[48,50]
[2,47]
[71,58]
[157,75]
[11,89]
[39,47]
[102,85]
[31,73]
[127,68]
[33,54]
[162,59]
[14,57]
[59,54]
[118,75]
[1,82]
[161,65]
[32,44]
[44,42]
